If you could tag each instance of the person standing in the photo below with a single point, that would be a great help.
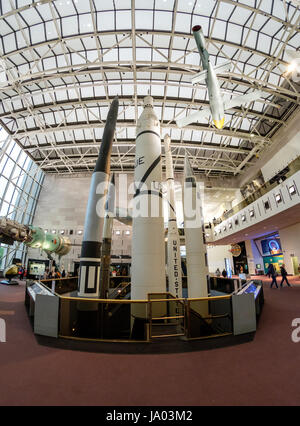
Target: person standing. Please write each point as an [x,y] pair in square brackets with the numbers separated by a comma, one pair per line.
[284,275]
[21,272]
[224,273]
[273,274]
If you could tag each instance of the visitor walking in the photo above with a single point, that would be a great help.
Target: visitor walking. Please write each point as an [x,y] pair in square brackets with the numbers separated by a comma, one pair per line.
[273,274]
[284,275]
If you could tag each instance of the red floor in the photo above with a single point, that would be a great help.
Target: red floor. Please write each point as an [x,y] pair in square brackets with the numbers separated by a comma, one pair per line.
[262,372]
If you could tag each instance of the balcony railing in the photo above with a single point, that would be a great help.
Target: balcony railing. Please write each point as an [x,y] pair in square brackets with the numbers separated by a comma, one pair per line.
[293,167]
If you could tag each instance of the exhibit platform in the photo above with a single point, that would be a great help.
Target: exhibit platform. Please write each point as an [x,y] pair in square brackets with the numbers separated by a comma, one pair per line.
[162,322]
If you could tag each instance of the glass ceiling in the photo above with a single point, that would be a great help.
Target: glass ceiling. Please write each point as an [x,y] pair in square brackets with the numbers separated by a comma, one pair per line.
[62,63]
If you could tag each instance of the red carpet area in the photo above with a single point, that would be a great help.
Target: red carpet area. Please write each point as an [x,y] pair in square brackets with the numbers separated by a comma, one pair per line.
[264,371]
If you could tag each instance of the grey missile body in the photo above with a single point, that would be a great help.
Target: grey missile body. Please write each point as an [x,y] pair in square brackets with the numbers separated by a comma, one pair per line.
[106,241]
[93,225]
[217,106]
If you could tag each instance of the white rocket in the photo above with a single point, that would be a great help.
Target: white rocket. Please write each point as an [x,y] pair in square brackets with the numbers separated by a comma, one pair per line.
[174,259]
[148,247]
[196,256]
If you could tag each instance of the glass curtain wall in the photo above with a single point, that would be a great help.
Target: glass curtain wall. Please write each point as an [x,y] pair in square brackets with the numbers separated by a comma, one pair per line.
[20,184]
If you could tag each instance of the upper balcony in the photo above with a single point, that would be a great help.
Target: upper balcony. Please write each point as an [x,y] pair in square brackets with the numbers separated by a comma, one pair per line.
[274,205]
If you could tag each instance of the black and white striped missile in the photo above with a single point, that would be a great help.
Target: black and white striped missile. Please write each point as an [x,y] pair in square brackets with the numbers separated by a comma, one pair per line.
[173,245]
[148,247]
[94,218]
[196,256]
[106,240]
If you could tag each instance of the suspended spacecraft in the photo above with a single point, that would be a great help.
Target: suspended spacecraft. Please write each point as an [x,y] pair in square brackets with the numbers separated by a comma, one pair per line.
[217,106]
[34,237]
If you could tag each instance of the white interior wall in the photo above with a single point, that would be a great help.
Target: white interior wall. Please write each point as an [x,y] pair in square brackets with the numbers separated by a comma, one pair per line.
[216,257]
[290,243]
[282,158]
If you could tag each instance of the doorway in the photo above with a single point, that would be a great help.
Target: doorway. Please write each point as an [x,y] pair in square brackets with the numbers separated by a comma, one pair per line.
[295,264]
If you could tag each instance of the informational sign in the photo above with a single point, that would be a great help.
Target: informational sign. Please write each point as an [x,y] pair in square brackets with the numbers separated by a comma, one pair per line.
[236,250]
[37,269]
[271,246]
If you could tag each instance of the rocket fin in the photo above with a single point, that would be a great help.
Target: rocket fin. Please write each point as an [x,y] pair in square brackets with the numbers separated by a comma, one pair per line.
[244,99]
[192,118]
[219,69]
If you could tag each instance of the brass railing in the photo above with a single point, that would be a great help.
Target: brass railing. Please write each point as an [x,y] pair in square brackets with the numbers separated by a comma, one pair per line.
[161,316]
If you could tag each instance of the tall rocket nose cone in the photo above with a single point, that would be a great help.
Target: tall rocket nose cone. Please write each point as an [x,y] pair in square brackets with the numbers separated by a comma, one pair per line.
[188,171]
[148,102]
[167,141]
[103,161]
[196,28]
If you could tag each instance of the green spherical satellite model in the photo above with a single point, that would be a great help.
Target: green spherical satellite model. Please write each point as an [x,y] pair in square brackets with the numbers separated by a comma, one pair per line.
[34,237]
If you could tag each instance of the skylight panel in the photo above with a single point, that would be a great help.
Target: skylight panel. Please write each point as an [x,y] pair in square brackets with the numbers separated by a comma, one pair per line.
[157,90]
[105,5]
[160,57]
[295,41]
[265,5]
[131,132]
[4,28]
[123,4]
[114,90]
[271,27]
[240,15]
[125,54]
[30,16]
[164,4]
[180,43]
[185,92]
[9,43]
[219,30]
[163,20]
[144,19]
[37,33]
[161,41]
[123,19]
[250,39]
[127,89]
[186,5]
[69,26]
[183,23]
[106,21]
[21,42]
[143,54]
[172,91]
[168,113]
[142,89]
[130,114]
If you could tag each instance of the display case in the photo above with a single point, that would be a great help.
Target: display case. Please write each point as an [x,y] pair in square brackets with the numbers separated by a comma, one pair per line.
[43,306]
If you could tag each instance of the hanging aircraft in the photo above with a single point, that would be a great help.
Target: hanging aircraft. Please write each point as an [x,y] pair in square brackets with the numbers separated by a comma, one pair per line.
[217,106]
